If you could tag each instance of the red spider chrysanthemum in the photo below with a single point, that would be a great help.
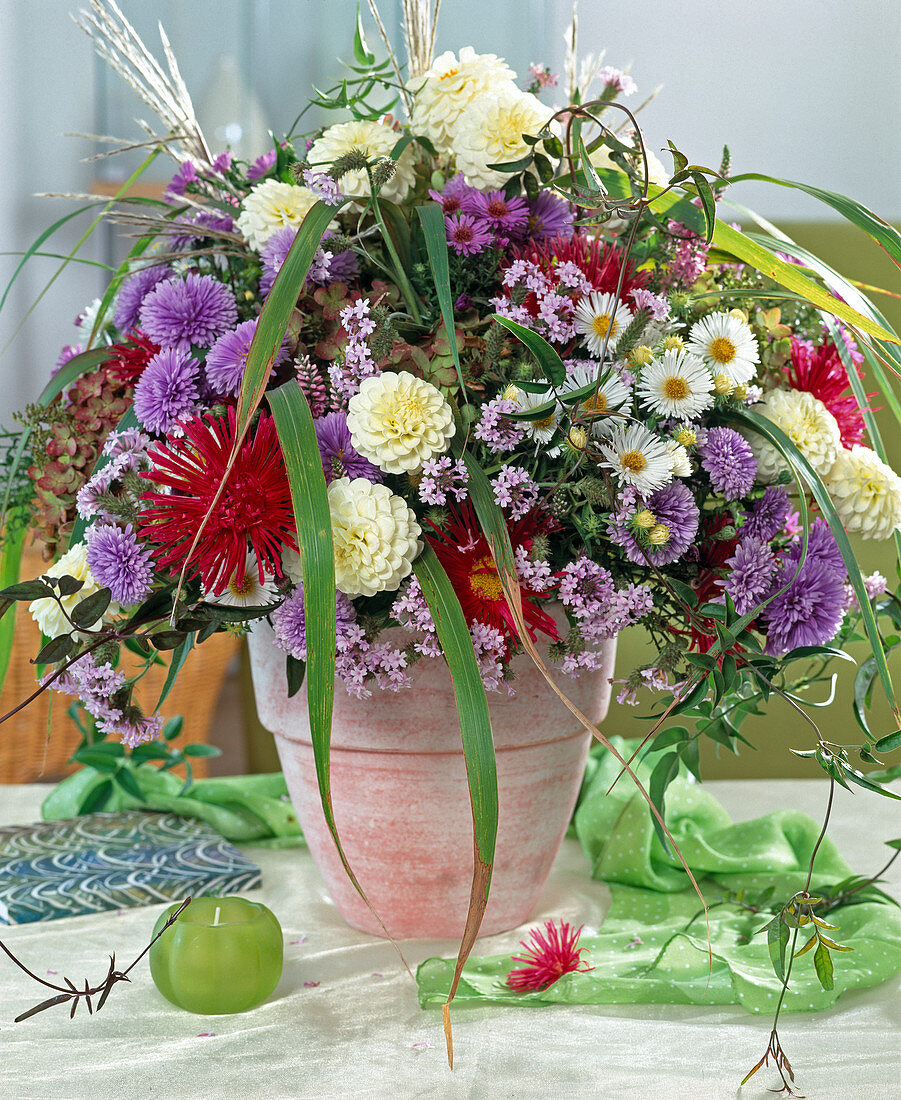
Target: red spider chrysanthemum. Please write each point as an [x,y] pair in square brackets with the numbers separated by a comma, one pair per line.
[130,357]
[254,508]
[821,372]
[598,260]
[547,956]
[464,552]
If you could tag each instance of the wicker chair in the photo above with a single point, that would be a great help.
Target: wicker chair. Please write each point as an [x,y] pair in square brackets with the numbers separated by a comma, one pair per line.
[37,742]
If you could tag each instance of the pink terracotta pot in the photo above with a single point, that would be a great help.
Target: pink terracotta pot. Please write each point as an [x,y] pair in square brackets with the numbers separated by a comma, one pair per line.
[400,795]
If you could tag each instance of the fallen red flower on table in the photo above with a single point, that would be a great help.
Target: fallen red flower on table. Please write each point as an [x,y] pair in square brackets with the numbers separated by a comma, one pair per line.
[550,954]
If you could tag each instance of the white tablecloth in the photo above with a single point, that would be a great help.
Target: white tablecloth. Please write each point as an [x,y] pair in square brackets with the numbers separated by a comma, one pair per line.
[344,1022]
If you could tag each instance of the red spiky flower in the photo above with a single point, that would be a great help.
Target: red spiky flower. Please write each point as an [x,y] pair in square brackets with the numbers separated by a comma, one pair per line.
[822,373]
[466,556]
[547,956]
[129,358]
[255,506]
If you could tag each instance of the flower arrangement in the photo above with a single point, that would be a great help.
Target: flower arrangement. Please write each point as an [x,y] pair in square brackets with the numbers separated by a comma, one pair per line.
[394,374]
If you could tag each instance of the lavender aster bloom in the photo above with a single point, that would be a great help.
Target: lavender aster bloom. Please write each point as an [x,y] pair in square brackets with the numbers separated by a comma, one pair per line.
[765,517]
[809,612]
[290,625]
[133,292]
[673,507]
[509,216]
[821,547]
[119,563]
[728,459]
[262,165]
[194,311]
[752,569]
[200,224]
[549,217]
[167,391]
[227,359]
[341,268]
[339,459]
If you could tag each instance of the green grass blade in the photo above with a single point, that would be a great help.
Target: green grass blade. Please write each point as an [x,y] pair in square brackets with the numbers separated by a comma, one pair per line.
[9,573]
[762,426]
[552,366]
[297,436]
[176,662]
[36,244]
[881,232]
[431,218]
[277,309]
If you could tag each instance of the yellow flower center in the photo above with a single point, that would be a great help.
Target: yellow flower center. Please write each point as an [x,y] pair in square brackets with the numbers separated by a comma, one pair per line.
[633,461]
[686,437]
[448,74]
[596,402]
[722,349]
[602,323]
[484,580]
[659,535]
[676,389]
[645,519]
[544,423]
[244,588]
[673,343]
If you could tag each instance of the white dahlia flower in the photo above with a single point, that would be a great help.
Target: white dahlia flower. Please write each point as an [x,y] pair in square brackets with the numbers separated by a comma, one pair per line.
[450,86]
[490,131]
[373,140]
[727,345]
[807,423]
[375,536]
[46,612]
[270,206]
[866,493]
[399,421]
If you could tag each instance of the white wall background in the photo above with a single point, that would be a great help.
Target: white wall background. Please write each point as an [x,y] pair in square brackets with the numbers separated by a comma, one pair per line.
[804,90]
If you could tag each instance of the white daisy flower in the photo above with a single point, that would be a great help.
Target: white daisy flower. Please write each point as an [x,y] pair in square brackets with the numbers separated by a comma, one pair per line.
[638,457]
[249,591]
[680,465]
[677,384]
[596,314]
[542,430]
[727,345]
[609,397]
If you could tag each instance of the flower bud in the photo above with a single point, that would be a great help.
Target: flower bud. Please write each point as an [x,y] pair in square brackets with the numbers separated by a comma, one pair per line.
[659,535]
[644,520]
[722,385]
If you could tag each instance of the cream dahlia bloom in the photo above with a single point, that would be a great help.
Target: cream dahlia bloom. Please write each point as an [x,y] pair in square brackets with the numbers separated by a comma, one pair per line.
[399,421]
[807,423]
[270,206]
[450,86]
[373,140]
[866,493]
[490,131]
[46,612]
[375,536]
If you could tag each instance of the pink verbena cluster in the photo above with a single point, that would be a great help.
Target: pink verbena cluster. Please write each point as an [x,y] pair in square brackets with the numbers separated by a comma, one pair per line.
[441,477]
[553,316]
[357,362]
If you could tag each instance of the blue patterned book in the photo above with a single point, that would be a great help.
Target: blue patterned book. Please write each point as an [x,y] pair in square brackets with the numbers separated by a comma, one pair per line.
[113,861]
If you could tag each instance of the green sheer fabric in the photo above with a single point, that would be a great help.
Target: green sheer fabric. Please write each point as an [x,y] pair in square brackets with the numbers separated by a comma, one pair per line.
[652,947]
[245,809]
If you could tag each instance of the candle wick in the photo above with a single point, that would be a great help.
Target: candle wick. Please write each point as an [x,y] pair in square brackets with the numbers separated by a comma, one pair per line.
[216,917]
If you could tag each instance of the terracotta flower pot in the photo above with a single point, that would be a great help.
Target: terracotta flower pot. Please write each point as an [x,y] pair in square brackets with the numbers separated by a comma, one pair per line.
[400,795]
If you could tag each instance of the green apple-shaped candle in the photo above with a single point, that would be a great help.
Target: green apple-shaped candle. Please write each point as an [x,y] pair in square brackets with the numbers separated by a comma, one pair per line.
[221,955]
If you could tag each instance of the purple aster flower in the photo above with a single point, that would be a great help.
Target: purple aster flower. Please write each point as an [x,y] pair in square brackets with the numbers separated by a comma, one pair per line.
[177,314]
[514,489]
[729,461]
[809,612]
[167,391]
[508,216]
[765,517]
[821,547]
[227,358]
[132,293]
[118,562]
[223,162]
[549,217]
[673,507]
[342,267]
[69,351]
[465,235]
[752,569]
[617,80]
[290,625]
[453,195]
[200,224]
[262,165]
[185,175]
[339,459]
